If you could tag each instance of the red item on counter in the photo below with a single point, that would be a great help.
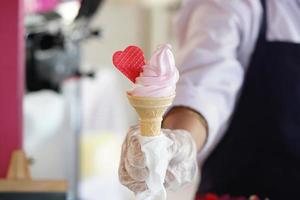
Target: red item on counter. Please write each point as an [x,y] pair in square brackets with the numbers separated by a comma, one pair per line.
[211,196]
[130,62]
[208,196]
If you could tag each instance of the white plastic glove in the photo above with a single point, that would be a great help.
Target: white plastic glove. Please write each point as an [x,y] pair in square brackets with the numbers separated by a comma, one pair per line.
[182,164]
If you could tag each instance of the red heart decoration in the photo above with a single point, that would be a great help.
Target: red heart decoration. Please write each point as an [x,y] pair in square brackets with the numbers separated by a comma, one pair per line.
[130,61]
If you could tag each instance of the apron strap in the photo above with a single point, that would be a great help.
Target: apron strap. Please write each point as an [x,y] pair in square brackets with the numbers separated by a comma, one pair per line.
[263,27]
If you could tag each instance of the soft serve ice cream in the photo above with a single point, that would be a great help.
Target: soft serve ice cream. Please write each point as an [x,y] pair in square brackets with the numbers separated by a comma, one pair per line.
[159,75]
[153,92]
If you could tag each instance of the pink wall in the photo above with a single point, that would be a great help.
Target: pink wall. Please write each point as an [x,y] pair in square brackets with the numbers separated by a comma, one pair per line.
[11,79]
[34,6]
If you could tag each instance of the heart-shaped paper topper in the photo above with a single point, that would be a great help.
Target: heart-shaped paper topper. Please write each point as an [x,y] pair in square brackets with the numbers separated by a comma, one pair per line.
[130,61]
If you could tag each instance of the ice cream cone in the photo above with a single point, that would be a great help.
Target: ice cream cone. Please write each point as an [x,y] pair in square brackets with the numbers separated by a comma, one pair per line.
[150,111]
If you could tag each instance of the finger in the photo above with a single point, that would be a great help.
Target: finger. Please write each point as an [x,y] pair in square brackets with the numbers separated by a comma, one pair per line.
[184,147]
[137,187]
[135,160]
[170,178]
[134,153]
[129,182]
[135,172]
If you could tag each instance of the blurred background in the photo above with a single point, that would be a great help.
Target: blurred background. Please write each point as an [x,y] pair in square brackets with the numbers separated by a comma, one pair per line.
[75,109]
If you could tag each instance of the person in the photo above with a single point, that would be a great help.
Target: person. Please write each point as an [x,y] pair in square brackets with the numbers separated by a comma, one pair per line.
[239,94]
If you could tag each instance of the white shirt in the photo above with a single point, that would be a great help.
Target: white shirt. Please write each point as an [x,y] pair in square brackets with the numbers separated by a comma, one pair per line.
[216,39]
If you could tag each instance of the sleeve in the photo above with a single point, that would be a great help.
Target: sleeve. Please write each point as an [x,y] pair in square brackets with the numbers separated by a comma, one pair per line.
[210,72]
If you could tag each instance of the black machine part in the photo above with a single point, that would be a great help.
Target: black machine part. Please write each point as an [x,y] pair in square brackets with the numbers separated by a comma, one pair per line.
[88,8]
[53,56]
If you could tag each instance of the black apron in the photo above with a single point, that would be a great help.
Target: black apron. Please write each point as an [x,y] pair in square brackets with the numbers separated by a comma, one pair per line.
[260,152]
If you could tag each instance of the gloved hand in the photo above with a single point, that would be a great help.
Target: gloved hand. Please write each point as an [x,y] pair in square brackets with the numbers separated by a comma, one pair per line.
[182,166]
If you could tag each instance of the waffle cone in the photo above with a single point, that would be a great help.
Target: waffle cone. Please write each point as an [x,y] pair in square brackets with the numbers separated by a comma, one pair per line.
[150,111]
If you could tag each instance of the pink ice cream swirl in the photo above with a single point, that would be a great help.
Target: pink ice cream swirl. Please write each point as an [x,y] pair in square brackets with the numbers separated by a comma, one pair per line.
[159,75]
